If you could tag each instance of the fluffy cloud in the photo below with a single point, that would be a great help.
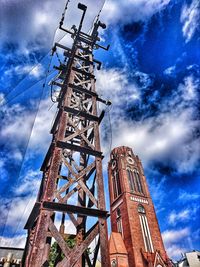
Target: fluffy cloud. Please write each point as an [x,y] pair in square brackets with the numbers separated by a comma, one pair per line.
[190,17]
[35,71]
[182,216]
[35,130]
[17,241]
[171,239]
[186,196]
[40,136]
[113,85]
[175,251]
[23,194]
[131,10]
[39,21]
[28,184]
[2,99]
[17,121]
[173,236]
[170,132]
[190,88]
[17,210]
[23,206]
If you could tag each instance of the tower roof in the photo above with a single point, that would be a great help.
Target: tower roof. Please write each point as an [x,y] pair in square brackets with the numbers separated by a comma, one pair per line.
[123,148]
[116,244]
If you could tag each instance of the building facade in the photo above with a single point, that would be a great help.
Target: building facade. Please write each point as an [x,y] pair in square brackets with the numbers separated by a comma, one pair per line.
[132,214]
[190,259]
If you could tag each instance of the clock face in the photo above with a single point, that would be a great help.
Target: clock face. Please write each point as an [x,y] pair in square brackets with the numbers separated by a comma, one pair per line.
[113,164]
[130,160]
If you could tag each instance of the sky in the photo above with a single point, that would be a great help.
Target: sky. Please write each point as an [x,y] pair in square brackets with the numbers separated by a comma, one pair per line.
[151,74]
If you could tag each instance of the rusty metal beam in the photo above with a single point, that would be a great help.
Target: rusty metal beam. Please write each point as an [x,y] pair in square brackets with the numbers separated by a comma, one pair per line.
[75,209]
[72,163]
[80,149]
[32,217]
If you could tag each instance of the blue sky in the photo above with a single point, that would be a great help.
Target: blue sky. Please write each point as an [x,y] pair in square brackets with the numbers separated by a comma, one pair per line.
[152,76]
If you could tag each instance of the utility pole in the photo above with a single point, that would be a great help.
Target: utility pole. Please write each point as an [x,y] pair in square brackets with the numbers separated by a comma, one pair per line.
[72,188]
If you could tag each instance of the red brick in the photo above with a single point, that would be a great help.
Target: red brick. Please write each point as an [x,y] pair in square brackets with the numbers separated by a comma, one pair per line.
[132,232]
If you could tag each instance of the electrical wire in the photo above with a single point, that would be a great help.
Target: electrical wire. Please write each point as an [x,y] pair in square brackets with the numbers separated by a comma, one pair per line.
[10,100]
[26,146]
[110,125]
[34,67]
[96,18]
[36,111]
[63,15]
[4,103]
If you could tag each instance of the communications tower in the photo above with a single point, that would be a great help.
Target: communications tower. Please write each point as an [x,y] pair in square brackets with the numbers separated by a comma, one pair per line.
[72,188]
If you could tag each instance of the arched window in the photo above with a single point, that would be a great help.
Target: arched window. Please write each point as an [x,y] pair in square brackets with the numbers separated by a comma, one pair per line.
[131,180]
[134,181]
[119,222]
[138,181]
[145,229]
[113,263]
[141,209]
[116,184]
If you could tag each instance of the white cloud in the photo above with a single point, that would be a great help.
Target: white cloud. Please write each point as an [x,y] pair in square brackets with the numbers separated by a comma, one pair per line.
[40,136]
[173,236]
[190,17]
[16,116]
[29,184]
[170,71]
[174,241]
[176,251]
[35,71]
[2,99]
[162,138]
[131,10]
[113,85]
[189,88]
[186,196]
[20,123]
[182,216]
[17,241]
[69,226]
[18,212]
[40,19]
[165,137]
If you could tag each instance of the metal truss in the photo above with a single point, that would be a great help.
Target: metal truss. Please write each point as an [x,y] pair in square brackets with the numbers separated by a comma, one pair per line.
[72,188]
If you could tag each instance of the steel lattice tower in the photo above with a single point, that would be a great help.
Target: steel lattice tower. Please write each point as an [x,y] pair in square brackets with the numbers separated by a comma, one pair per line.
[73,164]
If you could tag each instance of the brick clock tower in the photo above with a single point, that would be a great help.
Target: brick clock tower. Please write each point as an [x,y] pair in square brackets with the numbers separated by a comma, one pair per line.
[135,240]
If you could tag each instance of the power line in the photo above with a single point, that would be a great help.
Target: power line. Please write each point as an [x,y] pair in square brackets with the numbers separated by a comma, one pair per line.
[47,74]
[110,125]
[7,102]
[34,67]
[26,146]
[36,111]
